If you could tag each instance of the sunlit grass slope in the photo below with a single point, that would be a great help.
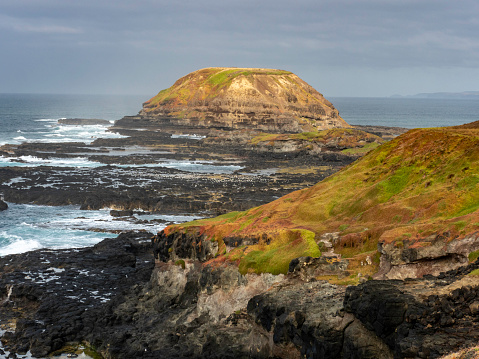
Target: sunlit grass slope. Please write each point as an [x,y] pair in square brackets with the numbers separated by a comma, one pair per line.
[205,84]
[421,183]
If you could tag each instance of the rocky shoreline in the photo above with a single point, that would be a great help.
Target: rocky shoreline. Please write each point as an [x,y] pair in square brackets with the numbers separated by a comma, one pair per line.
[113,298]
[147,295]
[138,171]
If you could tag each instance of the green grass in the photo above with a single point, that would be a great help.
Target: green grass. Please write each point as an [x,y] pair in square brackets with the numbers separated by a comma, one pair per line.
[361,150]
[221,77]
[473,256]
[181,263]
[395,183]
[460,225]
[224,77]
[474,272]
[275,258]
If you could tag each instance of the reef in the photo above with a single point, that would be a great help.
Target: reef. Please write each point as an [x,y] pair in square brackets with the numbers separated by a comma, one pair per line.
[84,121]
[234,170]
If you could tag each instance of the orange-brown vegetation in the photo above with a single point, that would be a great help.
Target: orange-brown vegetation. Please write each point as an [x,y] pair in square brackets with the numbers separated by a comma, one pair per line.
[422,183]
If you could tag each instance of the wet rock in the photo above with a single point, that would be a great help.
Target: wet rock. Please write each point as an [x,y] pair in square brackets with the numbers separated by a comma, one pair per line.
[176,246]
[424,318]
[3,206]
[359,342]
[83,121]
[121,213]
[59,295]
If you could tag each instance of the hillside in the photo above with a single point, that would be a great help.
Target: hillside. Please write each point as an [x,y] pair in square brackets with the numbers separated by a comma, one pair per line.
[235,98]
[412,201]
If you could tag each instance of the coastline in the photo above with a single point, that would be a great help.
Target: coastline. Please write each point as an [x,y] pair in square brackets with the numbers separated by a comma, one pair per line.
[116,298]
[261,175]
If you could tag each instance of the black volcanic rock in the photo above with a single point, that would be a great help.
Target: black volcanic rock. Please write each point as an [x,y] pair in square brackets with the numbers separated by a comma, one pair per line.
[3,205]
[83,121]
[112,296]
[56,297]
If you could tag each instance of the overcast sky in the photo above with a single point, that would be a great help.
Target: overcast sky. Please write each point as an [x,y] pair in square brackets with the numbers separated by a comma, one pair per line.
[340,47]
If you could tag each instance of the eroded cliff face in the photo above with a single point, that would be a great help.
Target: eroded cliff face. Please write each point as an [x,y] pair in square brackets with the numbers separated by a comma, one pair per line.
[435,254]
[242,98]
[112,298]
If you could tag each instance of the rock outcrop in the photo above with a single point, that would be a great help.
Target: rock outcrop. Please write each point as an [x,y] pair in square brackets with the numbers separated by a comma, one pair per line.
[239,98]
[112,298]
[83,121]
[3,206]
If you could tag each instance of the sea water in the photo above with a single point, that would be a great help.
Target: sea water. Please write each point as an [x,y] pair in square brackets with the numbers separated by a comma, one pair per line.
[28,117]
[406,112]
[34,118]
[25,227]
[82,162]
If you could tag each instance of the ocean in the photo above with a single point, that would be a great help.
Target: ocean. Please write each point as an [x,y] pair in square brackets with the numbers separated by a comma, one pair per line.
[34,118]
[406,112]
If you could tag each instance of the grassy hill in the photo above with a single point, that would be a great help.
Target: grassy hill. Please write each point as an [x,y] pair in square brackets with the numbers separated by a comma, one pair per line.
[423,183]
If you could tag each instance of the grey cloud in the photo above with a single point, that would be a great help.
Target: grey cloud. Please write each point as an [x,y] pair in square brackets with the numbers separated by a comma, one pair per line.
[42,26]
[149,36]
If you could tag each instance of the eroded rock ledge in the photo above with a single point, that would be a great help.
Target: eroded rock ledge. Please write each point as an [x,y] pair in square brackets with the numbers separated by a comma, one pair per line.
[111,297]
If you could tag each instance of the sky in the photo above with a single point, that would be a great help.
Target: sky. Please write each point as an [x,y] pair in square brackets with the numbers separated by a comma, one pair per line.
[359,48]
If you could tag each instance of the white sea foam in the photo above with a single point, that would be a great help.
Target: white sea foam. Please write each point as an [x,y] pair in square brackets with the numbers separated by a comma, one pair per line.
[18,245]
[81,162]
[29,227]
[191,137]
[31,161]
[51,132]
[101,220]
[47,120]
[14,180]
[200,167]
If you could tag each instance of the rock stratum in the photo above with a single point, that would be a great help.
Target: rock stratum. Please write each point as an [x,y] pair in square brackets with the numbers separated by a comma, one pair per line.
[239,98]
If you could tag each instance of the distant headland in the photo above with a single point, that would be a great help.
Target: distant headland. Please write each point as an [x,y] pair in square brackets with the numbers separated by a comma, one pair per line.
[466,95]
